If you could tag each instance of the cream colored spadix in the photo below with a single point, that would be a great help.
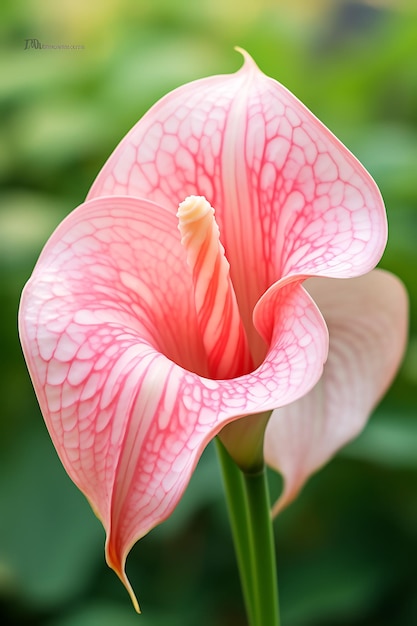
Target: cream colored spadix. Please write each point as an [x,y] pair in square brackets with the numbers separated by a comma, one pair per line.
[216,306]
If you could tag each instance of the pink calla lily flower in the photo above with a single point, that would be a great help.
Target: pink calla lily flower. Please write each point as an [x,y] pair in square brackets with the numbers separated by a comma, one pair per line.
[151,321]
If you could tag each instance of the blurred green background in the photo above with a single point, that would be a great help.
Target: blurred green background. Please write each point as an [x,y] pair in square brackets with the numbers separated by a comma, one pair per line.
[347,549]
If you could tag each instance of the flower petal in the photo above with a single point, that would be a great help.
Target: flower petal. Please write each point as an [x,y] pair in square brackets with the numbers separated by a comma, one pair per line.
[176,413]
[290,199]
[128,418]
[113,271]
[367,321]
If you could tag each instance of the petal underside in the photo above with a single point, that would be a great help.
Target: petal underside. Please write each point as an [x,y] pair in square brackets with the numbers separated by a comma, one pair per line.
[367,321]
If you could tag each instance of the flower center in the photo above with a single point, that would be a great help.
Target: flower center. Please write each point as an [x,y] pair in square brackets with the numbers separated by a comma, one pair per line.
[218,316]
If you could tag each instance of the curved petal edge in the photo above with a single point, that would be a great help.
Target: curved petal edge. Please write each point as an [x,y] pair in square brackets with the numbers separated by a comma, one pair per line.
[368,321]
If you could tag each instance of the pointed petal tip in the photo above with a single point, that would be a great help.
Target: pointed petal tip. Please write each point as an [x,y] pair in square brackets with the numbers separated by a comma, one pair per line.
[287,496]
[248,61]
[118,565]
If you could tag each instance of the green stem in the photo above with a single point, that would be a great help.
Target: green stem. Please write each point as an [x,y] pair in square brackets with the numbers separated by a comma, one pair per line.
[261,537]
[234,487]
[249,512]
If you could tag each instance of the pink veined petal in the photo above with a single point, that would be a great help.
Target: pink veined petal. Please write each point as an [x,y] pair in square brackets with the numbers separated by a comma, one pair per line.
[290,199]
[113,271]
[110,336]
[367,321]
[179,412]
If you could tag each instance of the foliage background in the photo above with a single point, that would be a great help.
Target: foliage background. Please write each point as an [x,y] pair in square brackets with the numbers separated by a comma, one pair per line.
[347,548]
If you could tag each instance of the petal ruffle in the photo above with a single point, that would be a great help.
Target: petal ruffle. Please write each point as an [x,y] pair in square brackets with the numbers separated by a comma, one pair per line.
[108,330]
[290,199]
[367,321]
